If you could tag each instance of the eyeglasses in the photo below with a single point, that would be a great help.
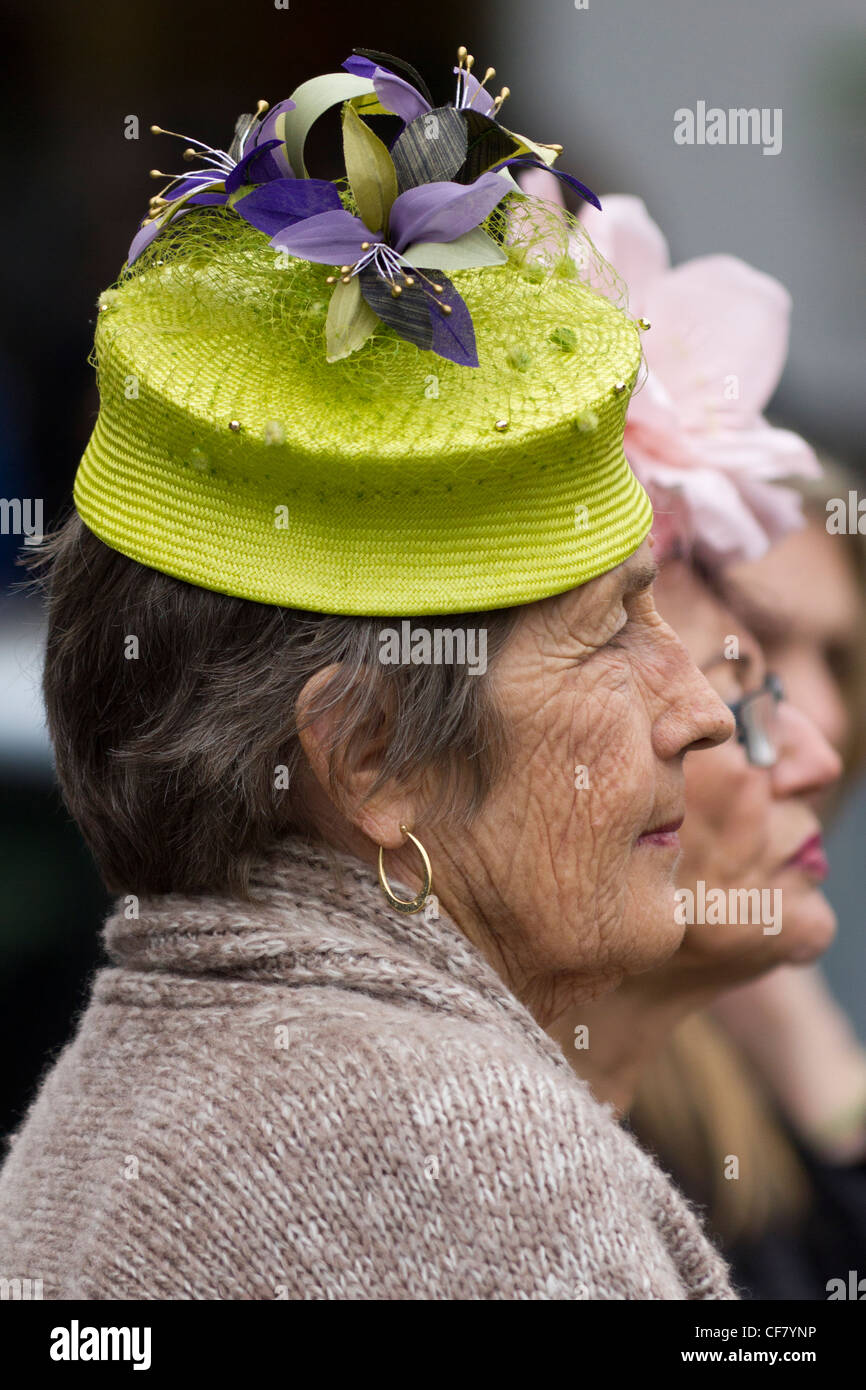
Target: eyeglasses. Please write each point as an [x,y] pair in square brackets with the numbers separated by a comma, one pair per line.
[756,721]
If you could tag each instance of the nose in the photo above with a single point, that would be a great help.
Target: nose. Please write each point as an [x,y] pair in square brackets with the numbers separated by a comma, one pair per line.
[805,762]
[694,715]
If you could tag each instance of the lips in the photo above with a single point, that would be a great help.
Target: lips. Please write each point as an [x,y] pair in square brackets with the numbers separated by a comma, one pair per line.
[665,836]
[811,858]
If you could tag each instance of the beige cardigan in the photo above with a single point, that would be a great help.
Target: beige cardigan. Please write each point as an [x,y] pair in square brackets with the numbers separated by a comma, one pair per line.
[313,1097]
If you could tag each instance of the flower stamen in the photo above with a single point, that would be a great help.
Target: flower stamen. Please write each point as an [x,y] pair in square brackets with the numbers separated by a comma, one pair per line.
[491,72]
[219,159]
[261,108]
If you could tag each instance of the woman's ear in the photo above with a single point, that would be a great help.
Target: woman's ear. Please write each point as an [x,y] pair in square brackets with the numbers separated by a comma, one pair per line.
[345,767]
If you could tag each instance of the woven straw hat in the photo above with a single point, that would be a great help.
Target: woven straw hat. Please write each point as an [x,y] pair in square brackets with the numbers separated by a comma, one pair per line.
[243,446]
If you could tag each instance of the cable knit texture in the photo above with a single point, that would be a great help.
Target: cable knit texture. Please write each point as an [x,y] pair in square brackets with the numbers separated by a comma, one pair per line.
[314,1097]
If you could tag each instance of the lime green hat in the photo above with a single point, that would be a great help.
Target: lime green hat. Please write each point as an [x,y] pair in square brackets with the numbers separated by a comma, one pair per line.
[418,413]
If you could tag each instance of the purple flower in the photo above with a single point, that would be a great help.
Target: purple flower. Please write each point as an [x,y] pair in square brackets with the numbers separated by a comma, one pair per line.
[412,99]
[251,132]
[418,206]
[253,177]
[487,142]
[529,162]
[395,93]
[198,188]
[431,212]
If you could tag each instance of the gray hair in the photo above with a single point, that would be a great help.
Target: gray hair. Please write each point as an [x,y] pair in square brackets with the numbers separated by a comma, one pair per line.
[172,710]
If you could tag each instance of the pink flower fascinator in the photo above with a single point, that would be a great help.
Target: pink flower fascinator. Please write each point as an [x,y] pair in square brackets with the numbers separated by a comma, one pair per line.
[695,432]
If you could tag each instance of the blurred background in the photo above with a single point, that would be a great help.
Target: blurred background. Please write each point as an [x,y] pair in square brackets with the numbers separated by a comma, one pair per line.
[604,79]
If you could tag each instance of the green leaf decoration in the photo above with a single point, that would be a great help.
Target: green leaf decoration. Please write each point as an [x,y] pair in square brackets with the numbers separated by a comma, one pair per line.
[350,320]
[431,148]
[488,143]
[474,248]
[527,146]
[369,104]
[312,99]
[370,170]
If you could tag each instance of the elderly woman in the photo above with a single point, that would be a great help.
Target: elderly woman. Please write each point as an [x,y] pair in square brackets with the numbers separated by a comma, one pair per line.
[303,1074]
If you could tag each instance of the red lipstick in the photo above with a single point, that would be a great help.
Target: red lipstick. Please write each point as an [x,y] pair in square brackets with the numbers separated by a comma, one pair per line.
[811,858]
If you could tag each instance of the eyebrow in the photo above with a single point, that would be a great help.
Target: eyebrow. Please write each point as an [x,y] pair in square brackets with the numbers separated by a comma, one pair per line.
[758,614]
[743,664]
[640,577]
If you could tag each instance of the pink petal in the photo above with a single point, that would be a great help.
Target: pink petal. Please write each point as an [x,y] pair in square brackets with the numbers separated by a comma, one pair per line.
[718,340]
[540,183]
[626,235]
[763,453]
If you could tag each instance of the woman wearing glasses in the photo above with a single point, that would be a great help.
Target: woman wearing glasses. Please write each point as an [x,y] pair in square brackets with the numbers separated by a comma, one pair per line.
[775,1072]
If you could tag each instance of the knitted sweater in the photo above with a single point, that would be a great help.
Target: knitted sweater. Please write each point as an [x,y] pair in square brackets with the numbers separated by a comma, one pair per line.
[314,1097]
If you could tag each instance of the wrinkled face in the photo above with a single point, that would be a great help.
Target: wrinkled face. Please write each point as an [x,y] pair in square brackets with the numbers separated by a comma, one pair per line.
[748,827]
[570,865]
[802,602]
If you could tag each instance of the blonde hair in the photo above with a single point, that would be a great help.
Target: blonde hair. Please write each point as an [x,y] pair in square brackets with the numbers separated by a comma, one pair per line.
[698,1108]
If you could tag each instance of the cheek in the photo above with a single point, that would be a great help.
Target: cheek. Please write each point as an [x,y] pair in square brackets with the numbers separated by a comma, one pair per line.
[615,783]
[584,763]
[727,809]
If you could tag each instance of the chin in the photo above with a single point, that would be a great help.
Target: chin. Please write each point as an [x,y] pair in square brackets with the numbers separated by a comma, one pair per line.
[811,927]
[656,934]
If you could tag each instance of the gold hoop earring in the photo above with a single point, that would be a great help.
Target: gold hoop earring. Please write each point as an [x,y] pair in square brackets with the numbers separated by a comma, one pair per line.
[415,904]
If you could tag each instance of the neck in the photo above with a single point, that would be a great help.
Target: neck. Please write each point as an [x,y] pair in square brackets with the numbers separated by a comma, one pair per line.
[611,1041]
